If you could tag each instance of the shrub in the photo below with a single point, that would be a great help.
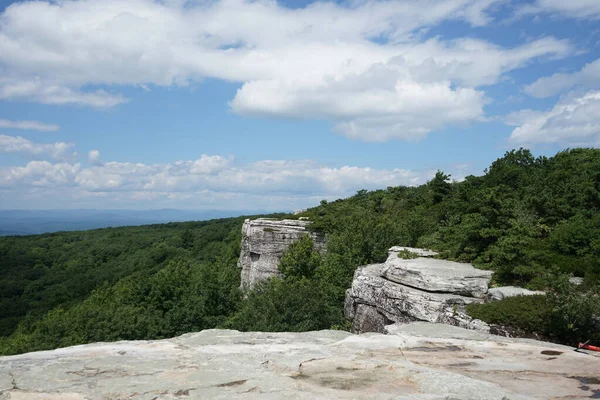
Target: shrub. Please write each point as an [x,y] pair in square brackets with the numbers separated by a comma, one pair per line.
[575,312]
[300,260]
[530,313]
[407,254]
[290,305]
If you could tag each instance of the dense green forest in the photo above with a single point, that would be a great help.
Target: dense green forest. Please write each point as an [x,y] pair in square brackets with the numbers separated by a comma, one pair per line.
[534,220]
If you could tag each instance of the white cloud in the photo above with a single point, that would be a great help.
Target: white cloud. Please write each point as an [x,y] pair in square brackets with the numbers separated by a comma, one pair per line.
[574,121]
[28,125]
[39,173]
[361,65]
[18,144]
[46,92]
[94,157]
[588,77]
[210,181]
[403,97]
[581,9]
[219,174]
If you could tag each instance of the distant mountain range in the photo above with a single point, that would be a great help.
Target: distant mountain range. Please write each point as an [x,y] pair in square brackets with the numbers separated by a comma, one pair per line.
[31,222]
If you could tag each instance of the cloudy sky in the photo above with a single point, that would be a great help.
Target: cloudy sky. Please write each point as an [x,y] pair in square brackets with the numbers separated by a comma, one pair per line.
[264,104]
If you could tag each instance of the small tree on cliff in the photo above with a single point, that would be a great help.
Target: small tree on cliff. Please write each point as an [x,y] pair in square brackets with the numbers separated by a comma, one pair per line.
[300,260]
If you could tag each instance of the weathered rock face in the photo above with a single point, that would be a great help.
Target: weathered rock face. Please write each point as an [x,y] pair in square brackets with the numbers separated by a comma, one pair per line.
[263,243]
[415,361]
[420,289]
[499,293]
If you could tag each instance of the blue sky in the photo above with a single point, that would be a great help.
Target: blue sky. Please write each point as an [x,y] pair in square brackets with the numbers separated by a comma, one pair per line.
[237,104]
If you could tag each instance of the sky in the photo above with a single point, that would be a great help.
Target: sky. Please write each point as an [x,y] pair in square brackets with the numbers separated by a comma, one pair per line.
[276,105]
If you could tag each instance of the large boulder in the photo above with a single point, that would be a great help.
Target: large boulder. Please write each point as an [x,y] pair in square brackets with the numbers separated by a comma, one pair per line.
[416,361]
[435,275]
[264,241]
[419,289]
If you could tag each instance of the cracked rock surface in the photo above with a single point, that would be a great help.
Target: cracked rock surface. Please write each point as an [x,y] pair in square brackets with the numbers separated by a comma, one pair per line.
[414,361]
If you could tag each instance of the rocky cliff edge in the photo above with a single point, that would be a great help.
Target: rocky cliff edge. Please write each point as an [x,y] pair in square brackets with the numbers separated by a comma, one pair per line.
[418,361]
[264,241]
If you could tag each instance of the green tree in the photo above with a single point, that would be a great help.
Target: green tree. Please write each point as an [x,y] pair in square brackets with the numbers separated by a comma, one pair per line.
[440,187]
[300,260]
[187,239]
[290,305]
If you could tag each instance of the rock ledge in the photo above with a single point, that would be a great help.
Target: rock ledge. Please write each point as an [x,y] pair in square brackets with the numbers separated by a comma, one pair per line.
[420,289]
[416,361]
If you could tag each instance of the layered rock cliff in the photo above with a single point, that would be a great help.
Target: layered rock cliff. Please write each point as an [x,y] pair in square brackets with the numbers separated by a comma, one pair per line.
[417,361]
[264,241]
[419,289]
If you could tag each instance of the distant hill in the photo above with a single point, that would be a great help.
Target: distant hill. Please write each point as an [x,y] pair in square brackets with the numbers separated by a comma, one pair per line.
[31,222]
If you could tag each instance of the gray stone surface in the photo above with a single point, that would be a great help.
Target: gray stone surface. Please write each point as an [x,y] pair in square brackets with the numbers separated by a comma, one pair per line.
[263,242]
[368,319]
[415,361]
[499,293]
[419,252]
[437,275]
[400,303]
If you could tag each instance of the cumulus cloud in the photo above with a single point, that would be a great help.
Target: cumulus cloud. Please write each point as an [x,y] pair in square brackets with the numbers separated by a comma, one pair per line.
[574,121]
[360,65]
[94,157]
[588,77]
[580,9]
[219,174]
[28,125]
[40,173]
[18,144]
[210,181]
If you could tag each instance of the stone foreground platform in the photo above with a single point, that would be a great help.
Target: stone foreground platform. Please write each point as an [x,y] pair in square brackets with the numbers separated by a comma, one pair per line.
[415,361]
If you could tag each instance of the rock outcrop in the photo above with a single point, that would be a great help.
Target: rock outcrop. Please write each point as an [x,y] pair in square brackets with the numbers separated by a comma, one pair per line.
[419,289]
[416,361]
[434,275]
[263,242]
[499,293]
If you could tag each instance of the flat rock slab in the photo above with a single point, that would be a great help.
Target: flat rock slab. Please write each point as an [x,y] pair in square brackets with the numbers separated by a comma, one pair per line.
[416,361]
[437,275]
[419,252]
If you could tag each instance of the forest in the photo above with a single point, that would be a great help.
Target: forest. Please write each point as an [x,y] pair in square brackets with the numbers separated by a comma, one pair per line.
[535,221]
